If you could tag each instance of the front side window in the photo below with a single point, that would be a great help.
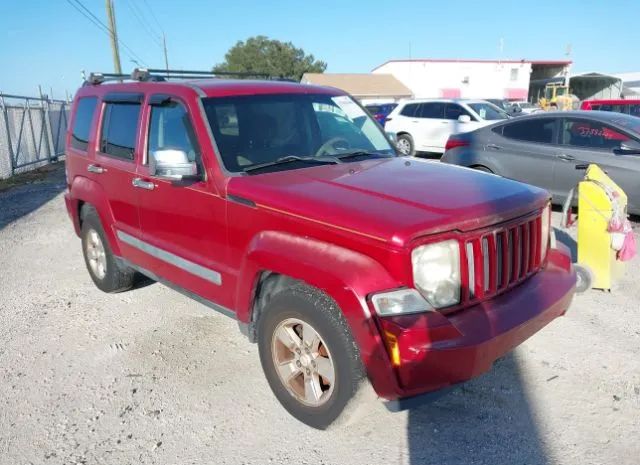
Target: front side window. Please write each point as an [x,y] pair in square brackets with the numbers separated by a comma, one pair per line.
[488,111]
[591,134]
[257,129]
[454,111]
[82,125]
[171,129]
[536,130]
[119,129]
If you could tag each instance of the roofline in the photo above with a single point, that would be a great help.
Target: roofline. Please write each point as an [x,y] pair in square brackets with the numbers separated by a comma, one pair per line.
[455,60]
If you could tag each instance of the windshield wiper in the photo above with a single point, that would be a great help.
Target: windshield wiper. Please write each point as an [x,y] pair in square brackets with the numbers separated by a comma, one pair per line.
[360,153]
[293,158]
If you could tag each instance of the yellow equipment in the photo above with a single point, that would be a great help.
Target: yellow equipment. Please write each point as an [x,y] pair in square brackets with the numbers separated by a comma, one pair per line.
[556,97]
[599,199]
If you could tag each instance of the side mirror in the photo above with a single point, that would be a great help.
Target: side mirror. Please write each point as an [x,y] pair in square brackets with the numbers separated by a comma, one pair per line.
[630,147]
[172,164]
[464,118]
[516,109]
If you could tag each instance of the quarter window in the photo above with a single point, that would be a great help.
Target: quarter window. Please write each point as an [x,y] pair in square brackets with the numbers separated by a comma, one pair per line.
[591,134]
[170,128]
[409,110]
[82,124]
[538,130]
[119,129]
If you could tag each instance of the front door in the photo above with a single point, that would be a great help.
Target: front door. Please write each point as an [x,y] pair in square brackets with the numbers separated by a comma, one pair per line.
[183,222]
[433,126]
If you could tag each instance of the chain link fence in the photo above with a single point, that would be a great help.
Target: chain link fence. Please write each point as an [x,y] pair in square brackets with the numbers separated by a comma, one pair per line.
[32,132]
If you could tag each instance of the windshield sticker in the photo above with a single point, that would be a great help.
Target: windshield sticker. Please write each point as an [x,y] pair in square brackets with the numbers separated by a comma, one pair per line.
[351,108]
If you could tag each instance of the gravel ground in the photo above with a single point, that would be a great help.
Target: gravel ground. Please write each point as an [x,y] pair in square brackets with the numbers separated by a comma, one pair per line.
[149,376]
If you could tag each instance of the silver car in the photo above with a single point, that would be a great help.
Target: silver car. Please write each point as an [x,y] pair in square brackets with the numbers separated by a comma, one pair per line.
[551,150]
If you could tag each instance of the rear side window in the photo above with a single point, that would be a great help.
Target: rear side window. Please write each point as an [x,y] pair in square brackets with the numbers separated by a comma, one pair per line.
[82,124]
[409,110]
[432,110]
[119,129]
[538,130]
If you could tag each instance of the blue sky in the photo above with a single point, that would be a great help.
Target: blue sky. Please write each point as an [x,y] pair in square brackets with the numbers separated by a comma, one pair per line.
[48,42]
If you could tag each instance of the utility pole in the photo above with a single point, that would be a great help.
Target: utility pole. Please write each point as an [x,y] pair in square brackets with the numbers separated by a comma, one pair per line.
[164,46]
[114,36]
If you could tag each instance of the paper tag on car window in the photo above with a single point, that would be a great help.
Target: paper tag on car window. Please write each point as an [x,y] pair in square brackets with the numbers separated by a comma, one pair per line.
[351,108]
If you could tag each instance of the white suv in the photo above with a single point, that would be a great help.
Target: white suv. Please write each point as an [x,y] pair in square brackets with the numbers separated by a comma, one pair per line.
[425,125]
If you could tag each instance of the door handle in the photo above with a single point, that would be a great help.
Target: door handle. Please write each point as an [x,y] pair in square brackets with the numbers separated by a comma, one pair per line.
[142,184]
[97,169]
[565,157]
[494,147]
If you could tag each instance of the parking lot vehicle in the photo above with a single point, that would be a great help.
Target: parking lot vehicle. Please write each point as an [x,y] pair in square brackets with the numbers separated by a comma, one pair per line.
[501,103]
[381,111]
[552,149]
[522,108]
[628,107]
[425,125]
[557,96]
[285,207]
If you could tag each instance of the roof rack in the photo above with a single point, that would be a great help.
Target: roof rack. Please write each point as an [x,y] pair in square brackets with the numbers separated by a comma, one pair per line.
[159,75]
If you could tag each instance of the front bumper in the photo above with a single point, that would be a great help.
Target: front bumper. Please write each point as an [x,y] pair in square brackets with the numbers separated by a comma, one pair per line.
[437,351]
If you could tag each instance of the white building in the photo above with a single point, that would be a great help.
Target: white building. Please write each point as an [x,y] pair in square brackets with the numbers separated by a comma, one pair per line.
[509,79]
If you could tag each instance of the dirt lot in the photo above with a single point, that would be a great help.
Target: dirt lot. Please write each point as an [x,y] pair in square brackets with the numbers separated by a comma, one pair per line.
[149,376]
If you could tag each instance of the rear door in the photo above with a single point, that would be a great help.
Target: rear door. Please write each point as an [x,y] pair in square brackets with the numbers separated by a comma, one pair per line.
[525,149]
[434,127]
[584,141]
[114,163]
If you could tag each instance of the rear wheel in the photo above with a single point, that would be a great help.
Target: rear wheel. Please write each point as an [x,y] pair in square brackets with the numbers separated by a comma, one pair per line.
[405,145]
[106,272]
[308,355]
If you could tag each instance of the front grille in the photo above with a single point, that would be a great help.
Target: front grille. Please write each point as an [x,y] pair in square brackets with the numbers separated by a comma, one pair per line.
[500,258]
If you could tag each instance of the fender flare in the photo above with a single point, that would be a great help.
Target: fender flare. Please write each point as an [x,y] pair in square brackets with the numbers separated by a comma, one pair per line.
[88,191]
[345,275]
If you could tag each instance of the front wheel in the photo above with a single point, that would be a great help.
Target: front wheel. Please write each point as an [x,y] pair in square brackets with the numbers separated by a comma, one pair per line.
[308,355]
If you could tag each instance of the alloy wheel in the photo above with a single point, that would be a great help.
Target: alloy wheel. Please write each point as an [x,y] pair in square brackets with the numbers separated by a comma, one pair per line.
[303,362]
[96,254]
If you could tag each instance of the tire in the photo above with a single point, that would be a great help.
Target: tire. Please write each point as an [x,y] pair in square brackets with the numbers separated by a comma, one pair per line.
[405,145]
[282,318]
[484,169]
[108,274]
[584,278]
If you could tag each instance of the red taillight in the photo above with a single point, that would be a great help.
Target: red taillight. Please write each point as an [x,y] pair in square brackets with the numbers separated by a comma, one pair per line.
[452,143]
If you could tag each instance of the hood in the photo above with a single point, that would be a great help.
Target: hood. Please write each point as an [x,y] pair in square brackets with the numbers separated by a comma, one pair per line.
[391,199]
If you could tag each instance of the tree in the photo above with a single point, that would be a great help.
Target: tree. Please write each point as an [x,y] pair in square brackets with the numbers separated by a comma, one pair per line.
[263,55]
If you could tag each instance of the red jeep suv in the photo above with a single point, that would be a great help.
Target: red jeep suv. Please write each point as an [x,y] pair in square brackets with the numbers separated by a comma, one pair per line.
[286,207]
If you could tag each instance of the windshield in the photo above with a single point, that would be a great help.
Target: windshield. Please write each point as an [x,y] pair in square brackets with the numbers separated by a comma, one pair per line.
[252,130]
[488,111]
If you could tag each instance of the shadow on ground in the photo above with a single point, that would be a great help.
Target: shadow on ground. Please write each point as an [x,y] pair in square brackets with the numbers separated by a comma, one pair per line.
[485,421]
[39,187]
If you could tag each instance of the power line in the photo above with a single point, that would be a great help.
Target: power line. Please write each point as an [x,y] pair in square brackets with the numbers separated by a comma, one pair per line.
[100,25]
[139,15]
[155,18]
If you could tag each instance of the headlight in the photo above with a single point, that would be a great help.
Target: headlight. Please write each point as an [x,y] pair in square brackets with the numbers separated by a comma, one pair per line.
[544,231]
[436,272]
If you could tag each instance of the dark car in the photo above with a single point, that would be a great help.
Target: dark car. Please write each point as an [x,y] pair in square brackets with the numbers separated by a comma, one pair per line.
[380,112]
[550,150]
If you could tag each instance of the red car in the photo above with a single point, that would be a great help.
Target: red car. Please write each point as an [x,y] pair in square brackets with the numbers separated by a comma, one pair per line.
[286,207]
[629,107]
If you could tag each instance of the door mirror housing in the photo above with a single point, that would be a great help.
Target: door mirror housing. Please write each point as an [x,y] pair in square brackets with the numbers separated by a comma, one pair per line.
[172,164]
[630,147]
[464,118]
